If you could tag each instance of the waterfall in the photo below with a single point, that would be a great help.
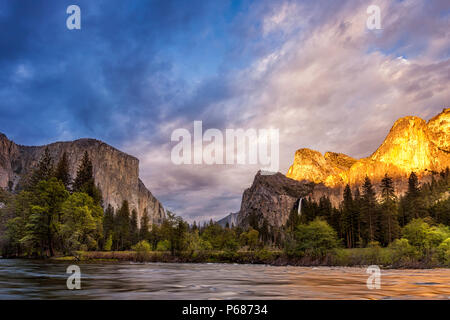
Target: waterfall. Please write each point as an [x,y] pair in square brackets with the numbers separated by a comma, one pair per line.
[300,206]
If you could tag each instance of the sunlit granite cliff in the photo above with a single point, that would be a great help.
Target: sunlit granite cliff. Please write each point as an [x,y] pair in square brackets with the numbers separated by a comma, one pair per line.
[411,145]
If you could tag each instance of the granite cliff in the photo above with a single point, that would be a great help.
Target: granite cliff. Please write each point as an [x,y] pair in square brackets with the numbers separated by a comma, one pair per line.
[271,198]
[230,219]
[116,172]
[411,145]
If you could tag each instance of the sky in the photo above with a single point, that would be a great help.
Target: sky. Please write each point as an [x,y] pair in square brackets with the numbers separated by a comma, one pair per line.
[138,70]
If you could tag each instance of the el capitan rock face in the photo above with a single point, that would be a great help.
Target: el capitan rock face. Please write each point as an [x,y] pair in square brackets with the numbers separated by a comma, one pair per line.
[411,145]
[116,172]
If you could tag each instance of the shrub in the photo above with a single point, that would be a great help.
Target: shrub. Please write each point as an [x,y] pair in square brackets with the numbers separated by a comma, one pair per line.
[315,239]
[443,252]
[231,245]
[402,252]
[142,249]
[374,254]
[264,255]
[196,244]
[437,235]
[427,239]
[163,245]
[416,232]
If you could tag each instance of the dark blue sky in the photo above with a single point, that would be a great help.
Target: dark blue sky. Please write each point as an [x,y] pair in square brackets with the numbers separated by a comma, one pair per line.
[128,59]
[137,70]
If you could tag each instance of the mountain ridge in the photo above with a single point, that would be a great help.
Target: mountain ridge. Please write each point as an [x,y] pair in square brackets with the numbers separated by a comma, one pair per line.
[116,172]
[412,144]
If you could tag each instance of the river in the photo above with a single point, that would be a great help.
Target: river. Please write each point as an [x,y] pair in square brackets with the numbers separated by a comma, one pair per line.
[32,279]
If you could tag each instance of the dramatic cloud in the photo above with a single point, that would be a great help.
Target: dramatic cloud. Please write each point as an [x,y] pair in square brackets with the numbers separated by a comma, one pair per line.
[135,73]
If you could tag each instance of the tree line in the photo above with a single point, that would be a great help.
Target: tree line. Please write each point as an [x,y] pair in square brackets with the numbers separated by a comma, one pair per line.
[364,217]
[49,212]
[52,214]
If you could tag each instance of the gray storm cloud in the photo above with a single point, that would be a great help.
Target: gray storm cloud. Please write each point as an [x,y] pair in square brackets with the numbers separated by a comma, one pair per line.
[322,79]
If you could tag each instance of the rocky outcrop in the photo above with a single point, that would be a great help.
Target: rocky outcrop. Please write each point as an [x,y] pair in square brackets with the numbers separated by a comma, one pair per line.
[440,127]
[411,145]
[230,219]
[115,172]
[271,198]
[311,165]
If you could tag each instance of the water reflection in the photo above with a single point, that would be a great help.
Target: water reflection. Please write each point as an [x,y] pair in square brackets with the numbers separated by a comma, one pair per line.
[29,279]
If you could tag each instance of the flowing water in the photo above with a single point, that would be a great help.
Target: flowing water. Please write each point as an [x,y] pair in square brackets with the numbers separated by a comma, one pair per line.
[31,279]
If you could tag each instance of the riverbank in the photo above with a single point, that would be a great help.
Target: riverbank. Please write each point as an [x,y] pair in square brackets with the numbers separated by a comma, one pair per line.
[383,257]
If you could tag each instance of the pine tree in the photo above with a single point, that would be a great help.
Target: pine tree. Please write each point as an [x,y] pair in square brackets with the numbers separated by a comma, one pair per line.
[412,204]
[348,223]
[84,181]
[43,171]
[108,223]
[144,233]
[369,211]
[134,231]
[122,223]
[389,226]
[413,185]
[85,175]
[357,212]
[325,208]
[44,220]
[62,171]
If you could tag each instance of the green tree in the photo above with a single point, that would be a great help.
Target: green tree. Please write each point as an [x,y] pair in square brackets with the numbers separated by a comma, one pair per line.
[142,249]
[62,171]
[349,225]
[196,244]
[444,252]
[155,235]
[369,212]
[43,171]
[134,231]
[402,251]
[214,234]
[84,180]
[389,226]
[315,239]
[122,222]
[252,238]
[20,208]
[174,229]
[357,207]
[412,203]
[81,225]
[179,236]
[44,219]
[108,243]
[144,233]
[108,224]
